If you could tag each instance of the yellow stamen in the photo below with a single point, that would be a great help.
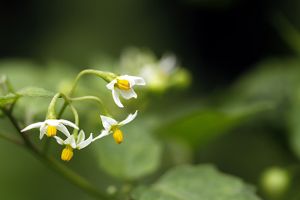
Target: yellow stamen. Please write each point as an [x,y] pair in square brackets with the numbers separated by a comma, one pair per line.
[118,136]
[51,131]
[123,84]
[67,153]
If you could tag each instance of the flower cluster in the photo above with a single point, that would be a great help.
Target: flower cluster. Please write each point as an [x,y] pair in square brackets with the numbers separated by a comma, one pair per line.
[120,86]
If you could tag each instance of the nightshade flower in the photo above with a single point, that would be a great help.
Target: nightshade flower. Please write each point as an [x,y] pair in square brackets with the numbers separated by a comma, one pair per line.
[49,127]
[72,143]
[124,85]
[111,126]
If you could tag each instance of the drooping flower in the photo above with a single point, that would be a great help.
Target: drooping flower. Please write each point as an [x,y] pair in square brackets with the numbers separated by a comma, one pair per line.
[111,126]
[72,143]
[124,85]
[49,127]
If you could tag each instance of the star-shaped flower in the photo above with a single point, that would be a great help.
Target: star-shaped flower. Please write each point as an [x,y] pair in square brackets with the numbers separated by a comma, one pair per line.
[111,126]
[124,85]
[49,127]
[72,143]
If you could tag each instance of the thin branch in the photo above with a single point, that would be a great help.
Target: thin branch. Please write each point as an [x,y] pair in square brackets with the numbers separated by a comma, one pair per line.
[56,166]
[92,98]
[12,140]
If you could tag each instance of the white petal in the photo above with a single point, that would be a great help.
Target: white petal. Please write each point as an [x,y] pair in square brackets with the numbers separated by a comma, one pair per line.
[127,78]
[116,98]
[71,141]
[86,142]
[107,122]
[59,140]
[43,130]
[52,122]
[31,126]
[103,134]
[68,123]
[127,94]
[139,80]
[129,118]
[63,129]
[133,80]
[111,85]
[80,137]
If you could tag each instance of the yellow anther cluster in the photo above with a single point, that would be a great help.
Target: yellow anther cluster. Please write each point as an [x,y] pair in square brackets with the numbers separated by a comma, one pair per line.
[67,153]
[123,84]
[51,131]
[118,136]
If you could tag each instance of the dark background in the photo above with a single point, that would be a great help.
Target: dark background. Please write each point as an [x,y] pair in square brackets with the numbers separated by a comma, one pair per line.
[217,40]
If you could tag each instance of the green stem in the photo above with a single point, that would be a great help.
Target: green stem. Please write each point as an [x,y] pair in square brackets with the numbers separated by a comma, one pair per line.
[51,108]
[62,110]
[12,140]
[92,98]
[75,113]
[16,125]
[74,178]
[52,103]
[73,109]
[56,166]
[107,76]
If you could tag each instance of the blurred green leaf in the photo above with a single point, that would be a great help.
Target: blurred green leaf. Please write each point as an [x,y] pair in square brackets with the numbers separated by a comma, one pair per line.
[194,183]
[294,125]
[138,155]
[201,126]
[287,31]
[273,80]
[7,99]
[278,81]
[26,92]
[35,92]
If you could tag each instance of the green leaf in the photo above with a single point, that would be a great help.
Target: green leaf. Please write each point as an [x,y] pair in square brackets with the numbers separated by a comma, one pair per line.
[273,79]
[202,126]
[25,92]
[294,125]
[196,183]
[35,92]
[288,32]
[138,155]
[7,99]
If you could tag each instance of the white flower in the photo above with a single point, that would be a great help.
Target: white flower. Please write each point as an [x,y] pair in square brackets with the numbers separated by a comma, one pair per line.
[73,143]
[50,127]
[78,143]
[168,63]
[157,75]
[124,85]
[112,126]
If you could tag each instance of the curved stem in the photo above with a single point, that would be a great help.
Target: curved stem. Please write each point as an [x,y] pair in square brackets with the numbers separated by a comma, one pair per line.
[107,76]
[73,109]
[67,103]
[51,108]
[75,113]
[92,98]
[62,110]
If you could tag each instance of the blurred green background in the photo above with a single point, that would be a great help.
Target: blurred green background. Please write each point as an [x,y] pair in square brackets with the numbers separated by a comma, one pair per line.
[232,98]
